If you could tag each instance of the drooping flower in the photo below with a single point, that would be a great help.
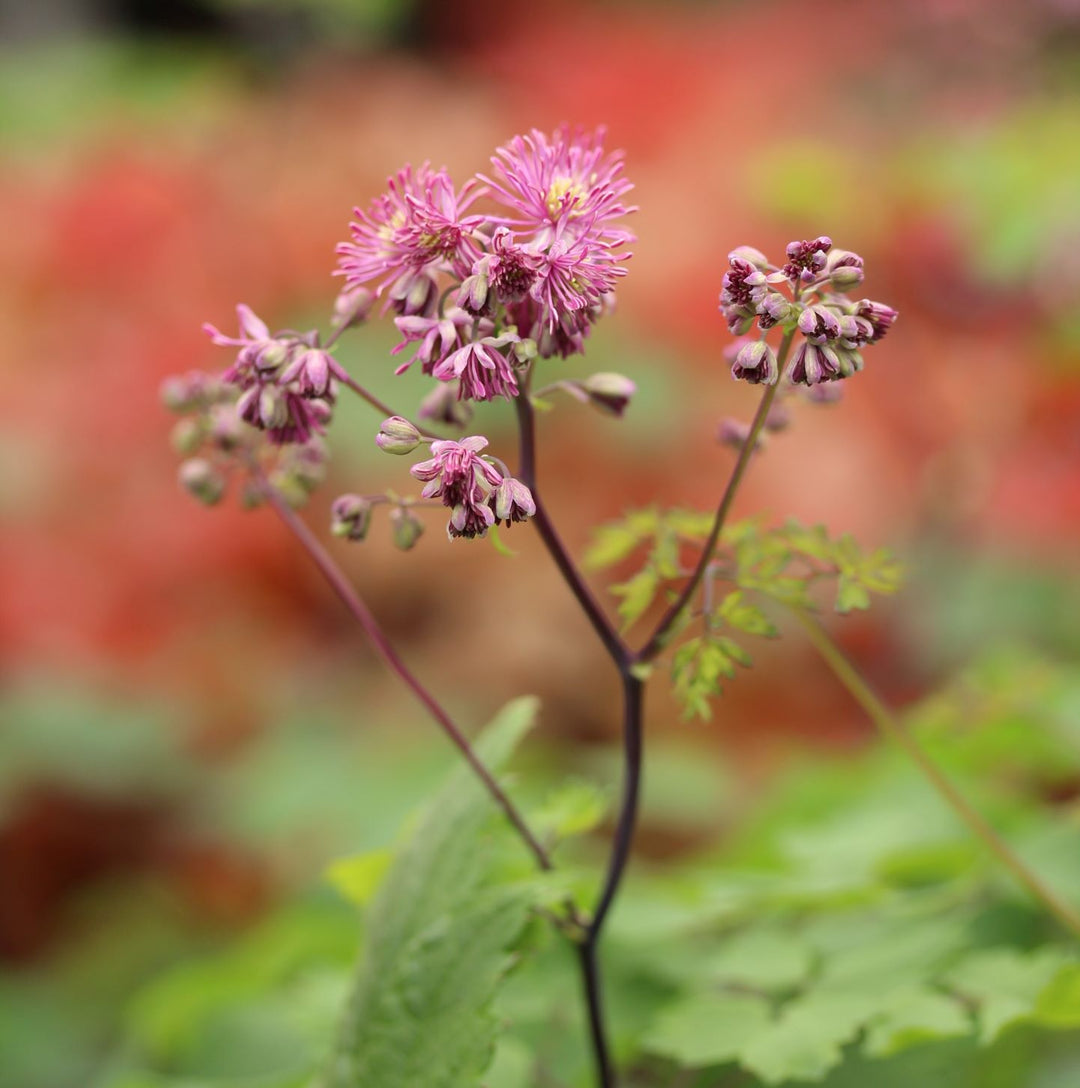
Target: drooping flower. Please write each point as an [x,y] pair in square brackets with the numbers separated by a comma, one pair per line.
[813,363]
[744,287]
[513,501]
[418,224]
[436,337]
[457,474]
[880,316]
[481,368]
[456,470]
[755,363]
[312,372]
[259,350]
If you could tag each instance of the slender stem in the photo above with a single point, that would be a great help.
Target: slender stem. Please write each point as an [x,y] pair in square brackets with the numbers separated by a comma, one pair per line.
[655,643]
[633,707]
[604,628]
[362,614]
[379,406]
[590,977]
[864,695]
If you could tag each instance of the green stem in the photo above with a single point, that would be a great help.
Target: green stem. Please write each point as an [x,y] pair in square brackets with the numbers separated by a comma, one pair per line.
[864,695]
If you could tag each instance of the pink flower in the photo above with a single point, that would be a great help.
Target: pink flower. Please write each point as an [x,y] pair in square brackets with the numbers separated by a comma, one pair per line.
[513,501]
[418,224]
[565,180]
[456,472]
[259,351]
[482,369]
[285,416]
[312,372]
[437,337]
[574,275]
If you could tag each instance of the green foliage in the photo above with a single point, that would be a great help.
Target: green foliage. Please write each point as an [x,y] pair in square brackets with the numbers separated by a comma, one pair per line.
[438,940]
[785,564]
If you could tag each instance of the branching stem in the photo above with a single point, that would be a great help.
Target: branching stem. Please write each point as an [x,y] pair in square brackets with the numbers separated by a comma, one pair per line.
[363,615]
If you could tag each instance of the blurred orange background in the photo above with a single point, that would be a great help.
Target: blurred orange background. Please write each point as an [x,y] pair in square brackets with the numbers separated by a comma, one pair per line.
[173,160]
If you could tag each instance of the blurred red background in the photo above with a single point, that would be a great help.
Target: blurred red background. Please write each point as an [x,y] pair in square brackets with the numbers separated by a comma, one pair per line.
[154,190]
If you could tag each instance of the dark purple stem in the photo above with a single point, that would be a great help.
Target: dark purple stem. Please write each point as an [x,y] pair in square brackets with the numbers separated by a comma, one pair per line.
[633,702]
[351,599]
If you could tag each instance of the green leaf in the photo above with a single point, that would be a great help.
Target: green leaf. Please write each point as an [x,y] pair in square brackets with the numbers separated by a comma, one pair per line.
[706,1029]
[637,594]
[1007,986]
[915,1015]
[575,808]
[737,612]
[851,595]
[771,960]
[619,539]
[812,542]
[358,878]
[1058,1005]
[807,1039]
[664,557]
[696,670]
[438,937]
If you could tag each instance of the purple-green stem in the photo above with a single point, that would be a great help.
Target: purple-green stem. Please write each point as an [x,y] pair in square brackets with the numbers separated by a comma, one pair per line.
[363,615]
[890,728]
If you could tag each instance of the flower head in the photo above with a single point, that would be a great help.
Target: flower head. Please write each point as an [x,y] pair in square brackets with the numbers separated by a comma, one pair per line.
[560,182]
[418,224]
[435,337]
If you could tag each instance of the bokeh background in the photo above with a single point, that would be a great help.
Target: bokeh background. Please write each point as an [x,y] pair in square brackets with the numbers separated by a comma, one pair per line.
[190,727]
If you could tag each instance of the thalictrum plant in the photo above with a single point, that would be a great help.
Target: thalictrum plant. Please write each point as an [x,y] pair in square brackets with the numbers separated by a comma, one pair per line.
[490,286]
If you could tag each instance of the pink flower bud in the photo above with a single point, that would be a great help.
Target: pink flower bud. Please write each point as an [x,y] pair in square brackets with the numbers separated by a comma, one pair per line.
[200,479]
[513,501]
[350,517]
[608,392]
[397,435]
[405,528]
[756,363]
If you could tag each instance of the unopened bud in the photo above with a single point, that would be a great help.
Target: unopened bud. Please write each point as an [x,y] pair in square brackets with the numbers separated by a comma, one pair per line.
[750,255]
[397,435]
[526,350]
[187,436]
[513,501]
[405,528]
[350,517]
[845,268]
[609,392]
[351,307]
[273,411]
[201,480]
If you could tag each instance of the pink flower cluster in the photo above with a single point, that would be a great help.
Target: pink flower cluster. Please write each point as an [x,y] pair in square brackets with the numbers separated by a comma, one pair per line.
[287,382]
[476,492]
[833,327]
[528,278]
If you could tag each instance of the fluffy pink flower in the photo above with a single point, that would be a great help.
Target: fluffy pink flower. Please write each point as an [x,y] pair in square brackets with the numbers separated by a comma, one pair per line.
[418,224]
[574,275]
[482,369]
[565,179]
